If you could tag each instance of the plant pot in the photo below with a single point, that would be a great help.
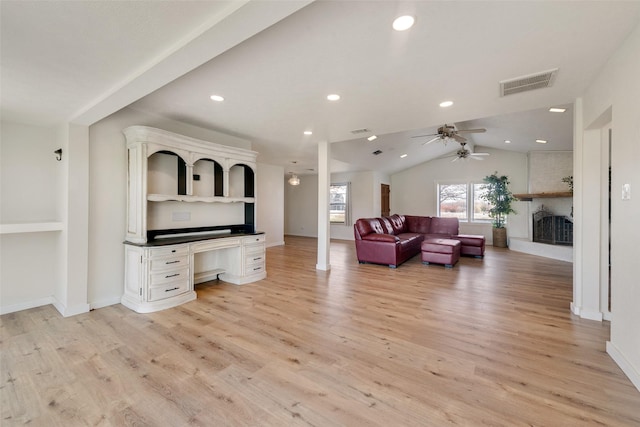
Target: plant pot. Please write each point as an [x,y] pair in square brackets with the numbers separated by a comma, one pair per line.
[500,237]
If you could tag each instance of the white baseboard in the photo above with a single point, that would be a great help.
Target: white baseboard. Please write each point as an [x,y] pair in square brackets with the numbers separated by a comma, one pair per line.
[586,314]
[624,364]
[269,245]
[104,303]
[26,305]
[70,311]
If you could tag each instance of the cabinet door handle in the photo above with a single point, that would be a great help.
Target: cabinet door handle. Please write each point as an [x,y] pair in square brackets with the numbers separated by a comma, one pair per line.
[172,275]
[172,289]
[257,259]
[173,250]
[257,268]
[172,262]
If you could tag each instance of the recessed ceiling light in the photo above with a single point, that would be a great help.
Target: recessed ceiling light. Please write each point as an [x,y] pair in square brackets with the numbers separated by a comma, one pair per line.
[308,132]
[403,23]
[541,141]
[506,141]
[372,137]
[557,110]
[403,156]
[217,98]
[333,97]
[446,104]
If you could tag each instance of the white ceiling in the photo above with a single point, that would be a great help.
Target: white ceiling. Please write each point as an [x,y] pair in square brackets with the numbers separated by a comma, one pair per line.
[84,60]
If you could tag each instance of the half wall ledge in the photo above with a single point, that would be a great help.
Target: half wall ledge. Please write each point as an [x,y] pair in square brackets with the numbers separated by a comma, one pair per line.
[561,253]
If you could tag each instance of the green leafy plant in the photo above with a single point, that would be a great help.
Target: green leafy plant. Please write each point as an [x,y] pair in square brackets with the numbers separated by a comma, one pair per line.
[569,181]
[499,196]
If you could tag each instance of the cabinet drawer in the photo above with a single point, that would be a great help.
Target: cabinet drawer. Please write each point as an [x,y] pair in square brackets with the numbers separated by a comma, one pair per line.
[259,238]
[253,268]
[254,248]
[168,290]
[168,251]
[169,276]
[158,264]
[257,258]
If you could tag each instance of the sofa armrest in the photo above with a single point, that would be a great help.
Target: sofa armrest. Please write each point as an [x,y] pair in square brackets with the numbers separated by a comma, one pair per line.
[377,237]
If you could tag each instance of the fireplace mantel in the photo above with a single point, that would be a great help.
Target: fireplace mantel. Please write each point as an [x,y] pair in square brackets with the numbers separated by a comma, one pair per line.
[531,196]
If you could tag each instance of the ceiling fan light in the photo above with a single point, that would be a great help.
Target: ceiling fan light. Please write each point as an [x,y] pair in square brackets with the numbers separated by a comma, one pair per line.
[403,23]
[294,180]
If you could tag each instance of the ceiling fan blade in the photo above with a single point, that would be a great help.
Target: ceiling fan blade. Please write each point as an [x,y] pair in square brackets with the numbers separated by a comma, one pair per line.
[476,158]
[480,154]
[455,159]
[420,136]
[479,130]
[431,140]
[459,138]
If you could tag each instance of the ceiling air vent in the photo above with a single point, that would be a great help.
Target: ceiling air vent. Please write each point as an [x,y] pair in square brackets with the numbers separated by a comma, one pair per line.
[359,131]
[530,82]
[375,153]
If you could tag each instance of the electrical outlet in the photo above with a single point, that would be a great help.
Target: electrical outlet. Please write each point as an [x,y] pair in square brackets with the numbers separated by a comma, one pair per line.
[626,191]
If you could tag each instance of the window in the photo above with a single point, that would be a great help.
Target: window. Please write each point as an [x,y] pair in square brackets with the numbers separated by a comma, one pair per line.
[463,201]
[480,207]
[452,201]
[339,203]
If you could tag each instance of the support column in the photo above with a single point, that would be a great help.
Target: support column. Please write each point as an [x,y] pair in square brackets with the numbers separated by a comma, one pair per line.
[324,182]
[71,294]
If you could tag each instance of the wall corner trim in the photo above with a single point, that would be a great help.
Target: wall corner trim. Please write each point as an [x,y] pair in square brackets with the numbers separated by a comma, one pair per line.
[624,364]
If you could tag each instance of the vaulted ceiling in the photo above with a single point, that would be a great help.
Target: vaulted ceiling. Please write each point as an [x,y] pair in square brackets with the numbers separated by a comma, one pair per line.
[275,63]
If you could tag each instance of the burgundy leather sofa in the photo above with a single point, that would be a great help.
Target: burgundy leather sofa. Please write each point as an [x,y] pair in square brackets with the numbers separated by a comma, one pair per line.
[393,240]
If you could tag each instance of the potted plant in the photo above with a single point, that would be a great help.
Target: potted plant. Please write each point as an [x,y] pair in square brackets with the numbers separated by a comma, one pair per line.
[499,197]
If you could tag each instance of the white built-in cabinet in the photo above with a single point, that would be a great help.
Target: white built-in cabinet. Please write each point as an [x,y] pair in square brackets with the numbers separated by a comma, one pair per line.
[190,218]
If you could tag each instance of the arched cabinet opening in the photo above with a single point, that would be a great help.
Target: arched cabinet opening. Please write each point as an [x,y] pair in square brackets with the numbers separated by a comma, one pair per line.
[241,181]
[208,178]
[166,174]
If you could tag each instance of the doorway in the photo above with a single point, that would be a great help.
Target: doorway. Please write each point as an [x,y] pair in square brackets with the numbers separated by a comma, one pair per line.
[385,209]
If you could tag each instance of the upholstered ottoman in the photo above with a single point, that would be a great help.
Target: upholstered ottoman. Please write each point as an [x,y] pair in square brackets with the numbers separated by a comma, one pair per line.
[471,244]
[441,251]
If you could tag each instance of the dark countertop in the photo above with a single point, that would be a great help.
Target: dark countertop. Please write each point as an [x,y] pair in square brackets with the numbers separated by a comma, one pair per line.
[189,239]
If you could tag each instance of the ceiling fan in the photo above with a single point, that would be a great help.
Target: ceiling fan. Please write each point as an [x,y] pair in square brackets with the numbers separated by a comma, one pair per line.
[464,153]
[447,132]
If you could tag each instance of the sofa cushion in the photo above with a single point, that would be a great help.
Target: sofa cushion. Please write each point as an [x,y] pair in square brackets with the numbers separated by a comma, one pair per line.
[418,224]
[398,223]
[386,225]
[376,237]
[444,226]
[365,226]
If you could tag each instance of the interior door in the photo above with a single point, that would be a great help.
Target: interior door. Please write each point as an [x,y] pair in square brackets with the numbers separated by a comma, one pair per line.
[385,209]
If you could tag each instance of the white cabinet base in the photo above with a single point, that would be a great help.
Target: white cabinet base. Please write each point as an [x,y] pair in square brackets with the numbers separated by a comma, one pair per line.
[151,306]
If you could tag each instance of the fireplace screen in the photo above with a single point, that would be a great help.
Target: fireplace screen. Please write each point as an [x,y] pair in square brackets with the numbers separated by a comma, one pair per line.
[553,229]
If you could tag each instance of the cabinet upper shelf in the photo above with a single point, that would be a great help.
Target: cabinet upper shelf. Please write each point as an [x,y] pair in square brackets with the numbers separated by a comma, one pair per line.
[187,198]
[529,197]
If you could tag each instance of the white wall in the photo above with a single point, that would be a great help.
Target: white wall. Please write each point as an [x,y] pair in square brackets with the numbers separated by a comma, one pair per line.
[270,204]
[30,191]
[618,88]
[414,190]
[301,203]
[107,195]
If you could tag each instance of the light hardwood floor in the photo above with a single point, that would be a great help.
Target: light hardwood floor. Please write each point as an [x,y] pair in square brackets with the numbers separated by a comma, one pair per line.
[489,342]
